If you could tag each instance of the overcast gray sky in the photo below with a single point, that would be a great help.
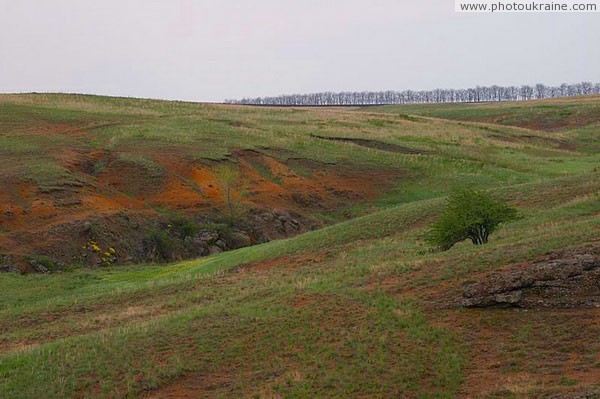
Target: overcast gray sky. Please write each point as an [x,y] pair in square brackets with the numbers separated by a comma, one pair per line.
[211,50]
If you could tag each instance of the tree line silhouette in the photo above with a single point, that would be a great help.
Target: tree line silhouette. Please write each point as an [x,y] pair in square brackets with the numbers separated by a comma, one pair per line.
[473,95]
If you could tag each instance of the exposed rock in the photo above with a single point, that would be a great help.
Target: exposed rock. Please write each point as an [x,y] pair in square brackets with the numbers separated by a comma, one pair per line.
[8,265]
[206,236]
[564,280]
[221,244]
[129,235]
[240,239]
[213,249]
[267,217]
[38,267]
[4,268]
[264,226]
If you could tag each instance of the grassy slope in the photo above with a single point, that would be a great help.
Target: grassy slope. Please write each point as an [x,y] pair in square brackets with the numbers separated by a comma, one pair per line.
[349,310]
[549,115]
[138,129]
[66,159]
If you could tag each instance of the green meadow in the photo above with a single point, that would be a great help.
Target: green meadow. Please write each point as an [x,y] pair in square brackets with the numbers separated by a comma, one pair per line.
[361,308]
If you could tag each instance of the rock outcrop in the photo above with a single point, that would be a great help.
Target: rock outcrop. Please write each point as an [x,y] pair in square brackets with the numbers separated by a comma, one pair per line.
[564,280]
[124,238]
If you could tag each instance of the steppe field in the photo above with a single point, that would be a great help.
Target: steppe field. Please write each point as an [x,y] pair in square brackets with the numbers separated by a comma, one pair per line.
[155,249]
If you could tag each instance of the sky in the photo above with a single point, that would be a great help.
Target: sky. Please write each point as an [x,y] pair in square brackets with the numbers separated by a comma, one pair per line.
[212,50]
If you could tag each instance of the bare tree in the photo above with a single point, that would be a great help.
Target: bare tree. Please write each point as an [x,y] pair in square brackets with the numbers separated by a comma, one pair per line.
[230,180]
[540,91]
[477,94]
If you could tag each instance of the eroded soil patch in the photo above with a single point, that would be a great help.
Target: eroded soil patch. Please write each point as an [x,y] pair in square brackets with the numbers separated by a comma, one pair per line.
[112,200]
[374,144]
[528,354]
[200,385]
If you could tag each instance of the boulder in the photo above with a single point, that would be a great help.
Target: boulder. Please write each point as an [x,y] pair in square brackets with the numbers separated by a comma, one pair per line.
[38,267]
[563,280]
[213,249]
[8,264]
[240,239]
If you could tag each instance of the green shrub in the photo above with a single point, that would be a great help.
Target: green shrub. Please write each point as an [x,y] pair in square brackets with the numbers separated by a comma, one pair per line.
[185,227]
[469,215]
[222,229]
[160,244]
[98,168]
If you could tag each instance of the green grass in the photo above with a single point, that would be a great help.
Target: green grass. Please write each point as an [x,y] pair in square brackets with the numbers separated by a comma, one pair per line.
[145,130]
[203,317]
[355,309]
[555,114]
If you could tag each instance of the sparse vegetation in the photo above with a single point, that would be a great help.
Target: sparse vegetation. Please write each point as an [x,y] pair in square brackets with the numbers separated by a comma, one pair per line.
[230,180]
[360,308]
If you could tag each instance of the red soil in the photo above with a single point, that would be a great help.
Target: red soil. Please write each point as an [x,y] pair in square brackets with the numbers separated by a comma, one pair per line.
[196,386]
[121,187]
[511,352]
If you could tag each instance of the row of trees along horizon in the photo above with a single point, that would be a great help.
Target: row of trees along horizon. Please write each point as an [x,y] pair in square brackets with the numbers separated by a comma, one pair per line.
[473,95]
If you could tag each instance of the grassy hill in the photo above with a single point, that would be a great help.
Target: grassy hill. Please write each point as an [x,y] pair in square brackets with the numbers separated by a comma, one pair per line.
[545,115]
[361,307]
